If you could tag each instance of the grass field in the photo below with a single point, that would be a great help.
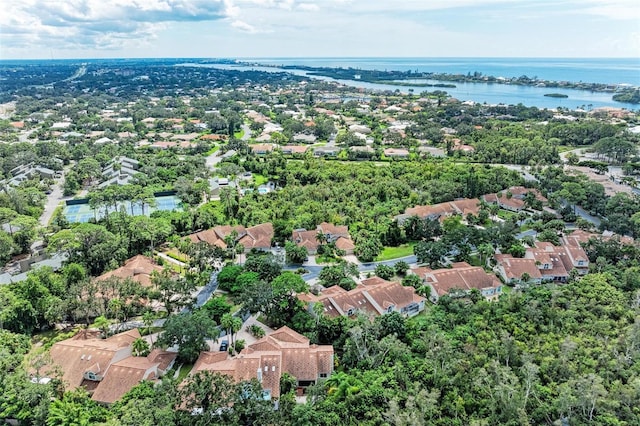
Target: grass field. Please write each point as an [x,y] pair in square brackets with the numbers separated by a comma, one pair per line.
[389,253]
[506,215]
[239,135]
[184,370]
[212,150]
[259,179]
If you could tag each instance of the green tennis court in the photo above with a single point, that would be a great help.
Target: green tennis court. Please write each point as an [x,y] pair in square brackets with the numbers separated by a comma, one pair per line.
[84,213]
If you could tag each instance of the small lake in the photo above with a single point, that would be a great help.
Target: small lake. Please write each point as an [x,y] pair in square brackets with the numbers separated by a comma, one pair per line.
[490,93]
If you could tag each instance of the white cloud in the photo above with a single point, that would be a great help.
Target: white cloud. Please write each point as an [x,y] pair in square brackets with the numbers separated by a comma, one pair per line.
[319,27]
[99,24]
[243,26]
[309,7]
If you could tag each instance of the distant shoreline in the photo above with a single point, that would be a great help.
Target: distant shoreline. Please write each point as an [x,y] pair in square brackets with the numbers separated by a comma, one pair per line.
[396,78]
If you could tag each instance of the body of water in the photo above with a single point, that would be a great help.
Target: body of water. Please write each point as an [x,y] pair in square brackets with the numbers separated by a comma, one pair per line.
[607,70]
[490,93]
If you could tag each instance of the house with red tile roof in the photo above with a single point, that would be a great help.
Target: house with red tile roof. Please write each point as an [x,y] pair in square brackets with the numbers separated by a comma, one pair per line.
[372,297]
[283,351]
[294,149]
[555,263]
[336,234]
[463,207]
[460,279]
[262,149]
[139,269]
[579,237]
[396,153]
[512,199]
[513,269]
[213,137]
[106,367]
[257,237]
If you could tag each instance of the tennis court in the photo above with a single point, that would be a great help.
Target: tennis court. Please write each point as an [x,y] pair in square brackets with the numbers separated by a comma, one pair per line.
[83,212]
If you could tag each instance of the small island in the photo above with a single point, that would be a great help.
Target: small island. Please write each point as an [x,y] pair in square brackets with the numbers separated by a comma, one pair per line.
[631,95]
[556,95]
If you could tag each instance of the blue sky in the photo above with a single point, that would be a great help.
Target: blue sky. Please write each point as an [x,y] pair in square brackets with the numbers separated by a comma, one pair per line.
[327,28]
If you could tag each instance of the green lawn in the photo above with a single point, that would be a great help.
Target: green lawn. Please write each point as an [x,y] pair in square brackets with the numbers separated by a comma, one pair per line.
[505,214]
[212,150]
[184,370]
[326,259]
[389,253]
[565,148]
[259,179]
[239,135]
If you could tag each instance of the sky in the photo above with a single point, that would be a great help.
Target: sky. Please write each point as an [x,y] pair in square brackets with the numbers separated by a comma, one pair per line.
[61,29]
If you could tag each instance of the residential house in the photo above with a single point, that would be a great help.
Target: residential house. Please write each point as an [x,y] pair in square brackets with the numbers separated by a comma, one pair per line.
[257,237]
[556,262]
[326,151]
[463,207]
[396,153]
[304,138]
[337,234]
[261,149]
[515,270]
[103,141]
[372,297]
[360,128]
[432,151]
[105,367]
[512,199]
[139,269]
[294,149]
[579,237]
[283,351]
[120,171]
[460,279]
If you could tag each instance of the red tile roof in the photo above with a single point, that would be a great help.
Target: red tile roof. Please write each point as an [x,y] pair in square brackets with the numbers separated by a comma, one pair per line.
[461,276]
[372,297]
[139,268]
[281,351]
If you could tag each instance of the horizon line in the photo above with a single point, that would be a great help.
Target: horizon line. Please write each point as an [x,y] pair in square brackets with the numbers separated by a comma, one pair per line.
[324,57]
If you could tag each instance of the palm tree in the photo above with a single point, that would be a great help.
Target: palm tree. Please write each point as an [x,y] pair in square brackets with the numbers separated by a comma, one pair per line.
[148,318]
[228,197]
[236,325]
[226,322]
[115,306]
[321,237]
[485,250]
[102,324]
[140,347]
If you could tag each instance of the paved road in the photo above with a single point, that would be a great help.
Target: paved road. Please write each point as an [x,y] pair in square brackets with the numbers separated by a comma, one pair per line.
[24,137]
[53,200]
[586,216]
[247,132]
[201,298]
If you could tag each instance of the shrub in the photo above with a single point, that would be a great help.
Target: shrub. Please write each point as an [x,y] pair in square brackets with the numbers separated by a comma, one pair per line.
[256,331]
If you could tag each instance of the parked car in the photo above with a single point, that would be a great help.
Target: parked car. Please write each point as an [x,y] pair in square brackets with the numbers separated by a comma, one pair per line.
[224,346]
